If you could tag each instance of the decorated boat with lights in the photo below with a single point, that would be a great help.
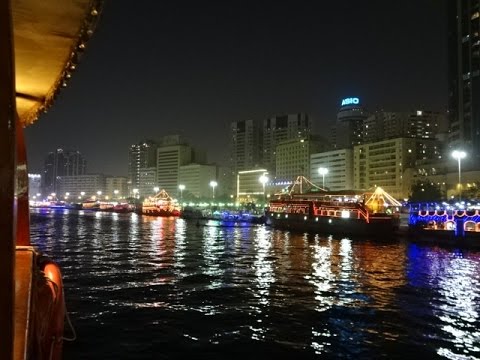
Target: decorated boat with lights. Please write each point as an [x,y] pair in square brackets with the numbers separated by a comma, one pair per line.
[41,43]
[304,206]
[161,204]
[445,224]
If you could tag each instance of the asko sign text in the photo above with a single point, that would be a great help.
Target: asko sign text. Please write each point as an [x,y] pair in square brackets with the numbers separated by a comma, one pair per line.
[350,101]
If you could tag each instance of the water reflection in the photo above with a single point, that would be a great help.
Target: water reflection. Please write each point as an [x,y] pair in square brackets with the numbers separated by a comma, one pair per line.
[264,278]
[168,286]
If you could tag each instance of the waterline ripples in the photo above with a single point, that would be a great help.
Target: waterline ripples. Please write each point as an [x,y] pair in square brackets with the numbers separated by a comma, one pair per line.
[140,287]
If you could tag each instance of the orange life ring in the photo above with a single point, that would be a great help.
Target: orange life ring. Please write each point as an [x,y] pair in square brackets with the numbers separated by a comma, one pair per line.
[54,340]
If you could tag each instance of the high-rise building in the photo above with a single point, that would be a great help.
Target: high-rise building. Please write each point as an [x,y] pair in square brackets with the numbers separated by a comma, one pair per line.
[61,163]
[418,124]
[464,76]
[349,125]
[141,155]
[245,145]
[148,182]
[171,154]
[383,163]
[281,128]
[293,157]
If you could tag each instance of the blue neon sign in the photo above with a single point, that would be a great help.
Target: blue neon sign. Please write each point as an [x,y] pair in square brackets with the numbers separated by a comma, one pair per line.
[350,101]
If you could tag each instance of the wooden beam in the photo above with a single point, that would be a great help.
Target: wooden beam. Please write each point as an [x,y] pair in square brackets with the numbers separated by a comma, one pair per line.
[7,181]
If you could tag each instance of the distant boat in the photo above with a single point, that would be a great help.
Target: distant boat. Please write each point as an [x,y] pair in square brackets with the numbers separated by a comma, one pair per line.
[123,208]
[445,224]
[161,204]
[91,205]
[356,213]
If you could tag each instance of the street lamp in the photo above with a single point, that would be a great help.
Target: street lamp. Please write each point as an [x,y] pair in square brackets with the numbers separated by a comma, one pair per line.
[213,184]
[156,188]
[459,155]
[263,179]
[99,193]
[116,193]
[323,171]
[135,193]
[181,187]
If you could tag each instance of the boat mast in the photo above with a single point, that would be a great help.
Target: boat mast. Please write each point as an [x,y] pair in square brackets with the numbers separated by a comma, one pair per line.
[7,181]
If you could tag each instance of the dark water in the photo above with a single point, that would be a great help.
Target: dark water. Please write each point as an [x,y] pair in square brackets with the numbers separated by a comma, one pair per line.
[160,288]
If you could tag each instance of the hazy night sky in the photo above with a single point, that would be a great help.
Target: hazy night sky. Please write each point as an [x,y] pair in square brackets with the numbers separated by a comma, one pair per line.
[156,68]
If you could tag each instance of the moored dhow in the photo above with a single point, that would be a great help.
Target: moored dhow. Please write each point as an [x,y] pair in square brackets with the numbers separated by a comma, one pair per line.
[445,224]
[346,212]
[161,205]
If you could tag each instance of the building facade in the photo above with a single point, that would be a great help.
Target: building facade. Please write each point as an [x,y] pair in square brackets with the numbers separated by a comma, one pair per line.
[169,159]
[245,145]
[82,186]
[383,163]
[419,124]
[35,186]
[349,126]
[148,182]
[281,128]
[339,166]
[464,76]
[116,187]
[195,179]
[141,155]
[293,157]
[61,163]
[250,187]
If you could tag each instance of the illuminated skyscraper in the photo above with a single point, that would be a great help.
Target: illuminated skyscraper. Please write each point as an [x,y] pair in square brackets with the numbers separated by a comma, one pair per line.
[245,145]
[141,155]
[281,128]
[61,163]
[464,75]
[349,125]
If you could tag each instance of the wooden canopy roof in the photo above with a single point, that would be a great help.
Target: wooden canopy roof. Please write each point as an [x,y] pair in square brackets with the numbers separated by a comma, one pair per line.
[49,38]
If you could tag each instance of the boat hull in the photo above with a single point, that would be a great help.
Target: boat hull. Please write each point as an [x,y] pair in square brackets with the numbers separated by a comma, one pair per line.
[382,227]
[471,239]
[154,211]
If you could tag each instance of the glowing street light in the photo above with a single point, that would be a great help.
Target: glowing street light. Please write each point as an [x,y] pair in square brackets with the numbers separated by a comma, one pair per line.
[213,184]
[459,155]
[135,193]
[263,179]
[323,171]
[156,189]
[181,187]
[99,193]
[116,193]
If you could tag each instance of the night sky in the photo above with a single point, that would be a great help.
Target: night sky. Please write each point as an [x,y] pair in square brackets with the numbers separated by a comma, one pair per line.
[156,68]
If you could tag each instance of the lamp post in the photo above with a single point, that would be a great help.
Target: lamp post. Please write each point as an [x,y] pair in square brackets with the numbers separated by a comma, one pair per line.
[213,184]
[323,171]
[99,193]
[263,179]
[181,187]
[156,188]
[459,155]
[135,193]
[116,193]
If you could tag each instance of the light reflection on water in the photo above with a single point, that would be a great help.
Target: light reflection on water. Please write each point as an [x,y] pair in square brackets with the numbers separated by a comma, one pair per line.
[166,286]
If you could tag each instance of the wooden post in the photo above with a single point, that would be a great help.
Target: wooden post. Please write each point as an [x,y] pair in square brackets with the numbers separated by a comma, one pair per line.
[7,182]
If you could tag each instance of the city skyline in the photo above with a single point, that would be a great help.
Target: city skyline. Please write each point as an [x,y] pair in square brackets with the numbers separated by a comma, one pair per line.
[195,70]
